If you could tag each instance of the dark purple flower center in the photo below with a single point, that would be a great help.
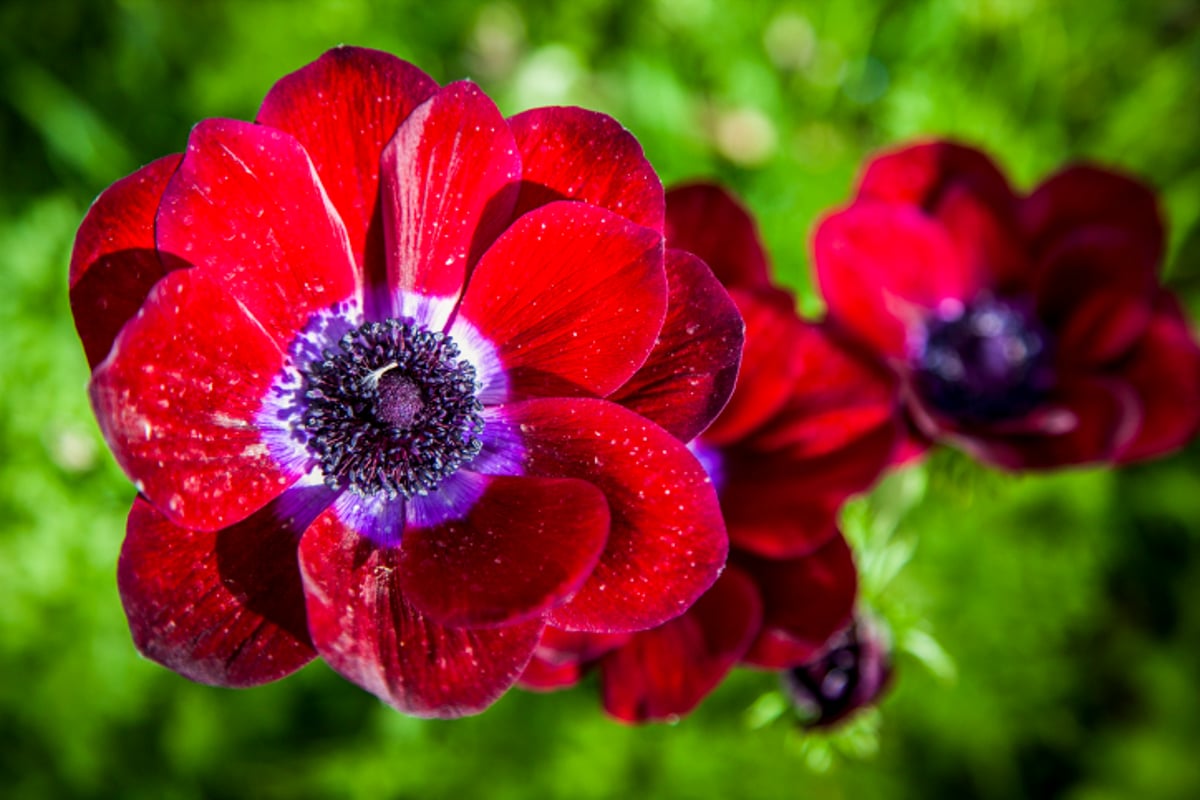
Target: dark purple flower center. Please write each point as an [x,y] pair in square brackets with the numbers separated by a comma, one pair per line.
[990,362]
[391,410]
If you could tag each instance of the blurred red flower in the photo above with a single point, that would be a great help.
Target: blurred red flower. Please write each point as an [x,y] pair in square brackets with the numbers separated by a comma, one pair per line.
[1031,331]
[851,672]
[809,425]
[355,358]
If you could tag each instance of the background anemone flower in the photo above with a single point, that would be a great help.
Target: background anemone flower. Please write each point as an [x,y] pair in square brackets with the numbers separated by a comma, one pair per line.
[355,355]
[809,425]
[850,673]
[1029,330]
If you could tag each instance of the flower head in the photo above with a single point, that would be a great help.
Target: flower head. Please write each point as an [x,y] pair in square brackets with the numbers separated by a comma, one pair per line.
[355,357]
[1030,330]
[851,672]
[809,424]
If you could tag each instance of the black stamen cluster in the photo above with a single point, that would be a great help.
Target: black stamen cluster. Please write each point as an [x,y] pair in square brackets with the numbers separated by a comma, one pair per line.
[991,363]
[392,410]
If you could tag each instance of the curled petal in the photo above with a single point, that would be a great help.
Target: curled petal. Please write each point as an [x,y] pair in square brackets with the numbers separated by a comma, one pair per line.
[1164,371]
[883,269]
[571,153]
[114,264]
[246,206]
[177,401]
[691,371]
[665,672]
[344,108]
[805,602]
[524,547]
[667,542]
[1082,197]
[220,607]
[706,220]
[450,181]
[364,626]
[573,297]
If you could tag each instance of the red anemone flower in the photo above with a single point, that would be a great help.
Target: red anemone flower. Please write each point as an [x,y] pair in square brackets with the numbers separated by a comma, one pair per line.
[809,424]
[1031,331]
[355,358]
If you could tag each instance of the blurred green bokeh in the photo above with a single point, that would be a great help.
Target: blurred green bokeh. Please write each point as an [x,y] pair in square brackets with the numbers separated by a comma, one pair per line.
[1049,627]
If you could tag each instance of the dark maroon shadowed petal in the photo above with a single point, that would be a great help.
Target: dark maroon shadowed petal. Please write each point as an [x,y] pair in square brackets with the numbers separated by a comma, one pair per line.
[573,297]
[665,672]
[1083,197]
[924,174]
[177,402]
[571,153]
[667,543]
[524,547]
[805,602]
[114,264]
[704,219]
[220,607]
[990,244]
[691,371]
[563,657]
[246,206]
[1095,291]
[1164,371]
[783,505]
[344,108]
[769,365]
[363,625]
[882,269]
[450,182]
[1085,420]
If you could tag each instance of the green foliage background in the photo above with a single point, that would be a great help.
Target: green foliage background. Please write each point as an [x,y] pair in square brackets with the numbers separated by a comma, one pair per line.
[1049,627]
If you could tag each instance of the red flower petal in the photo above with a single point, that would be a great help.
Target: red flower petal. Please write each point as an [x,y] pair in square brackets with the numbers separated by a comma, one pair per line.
[805,601]
[246,206]
[770,364]
[988,242]
[177,402]
[782,505]
[563,657]
[114,264]
[344,108]
[706,220]
[572,296]
[691,371]
[1085,197]
[1086,420]
[1164,370]
[923,174]
[883,268]
[526,545]
[665,672]
[449,186]
[667,541]
[1095,292]
[364,626]
[220,607]
[574,154]
[835,399]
